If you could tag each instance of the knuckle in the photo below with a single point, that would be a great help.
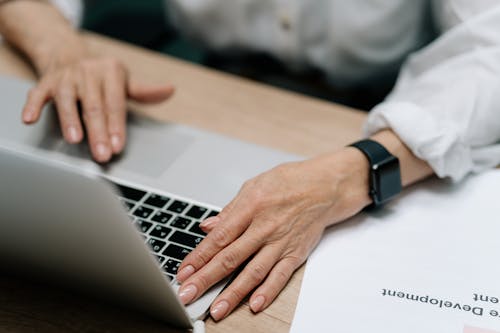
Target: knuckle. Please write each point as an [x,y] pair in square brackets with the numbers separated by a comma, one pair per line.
[259,197]
[87,66]
[229,261]
[257,273]
[113,64]
[282,276]
[248,184]
[220,236]
[199,259]
[294,261]
[269,229]
[93,109]
[235,294]
[64,91]
[203,282]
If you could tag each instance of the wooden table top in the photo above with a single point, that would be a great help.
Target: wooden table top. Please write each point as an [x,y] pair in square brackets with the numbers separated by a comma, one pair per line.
[212,101]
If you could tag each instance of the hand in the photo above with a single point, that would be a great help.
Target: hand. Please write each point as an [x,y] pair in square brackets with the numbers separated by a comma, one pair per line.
[101,86]
[274,222]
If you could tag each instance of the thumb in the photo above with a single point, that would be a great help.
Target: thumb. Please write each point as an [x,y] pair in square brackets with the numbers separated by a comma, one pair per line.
[149,93]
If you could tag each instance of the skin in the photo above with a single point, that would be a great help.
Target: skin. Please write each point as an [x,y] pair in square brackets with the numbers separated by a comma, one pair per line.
[70,75]
[277,219]
[273,223]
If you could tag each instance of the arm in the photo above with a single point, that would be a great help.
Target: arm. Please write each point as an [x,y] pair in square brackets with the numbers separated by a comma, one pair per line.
[278,218]
[48,33]
[441,118]
[70,74]
[451,90]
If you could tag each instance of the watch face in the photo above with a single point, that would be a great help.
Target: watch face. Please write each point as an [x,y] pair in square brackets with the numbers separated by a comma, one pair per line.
[386,179]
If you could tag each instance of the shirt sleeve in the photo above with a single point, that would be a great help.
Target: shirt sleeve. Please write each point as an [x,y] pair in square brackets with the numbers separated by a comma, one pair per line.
[71,9]
[446,103]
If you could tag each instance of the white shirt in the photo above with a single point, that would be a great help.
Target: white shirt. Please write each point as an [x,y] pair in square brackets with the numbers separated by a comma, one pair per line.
[71,9]
[446,104]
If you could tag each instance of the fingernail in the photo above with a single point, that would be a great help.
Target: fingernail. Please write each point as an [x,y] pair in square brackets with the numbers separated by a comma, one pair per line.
[103,152]
[257,303]
[219,311]
[116,143]
[184,273]
[209,222]
[72,134]
[188,293]
[28,116]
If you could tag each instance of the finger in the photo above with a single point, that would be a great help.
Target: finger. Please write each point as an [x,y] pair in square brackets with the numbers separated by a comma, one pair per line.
[148,93]
[274,283]
[209,224]
[37,97]
[115,106]
[65,99]
[94,117]
[251,276]
[223,264]
[227,230]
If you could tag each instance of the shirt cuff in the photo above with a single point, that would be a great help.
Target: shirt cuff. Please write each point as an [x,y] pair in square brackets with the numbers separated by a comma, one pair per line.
[71,9]
[440,146]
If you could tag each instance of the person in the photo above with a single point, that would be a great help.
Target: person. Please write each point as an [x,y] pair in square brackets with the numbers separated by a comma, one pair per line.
[441,118]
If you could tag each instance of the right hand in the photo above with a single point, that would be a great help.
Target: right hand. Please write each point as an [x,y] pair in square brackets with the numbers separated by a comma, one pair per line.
[102,87]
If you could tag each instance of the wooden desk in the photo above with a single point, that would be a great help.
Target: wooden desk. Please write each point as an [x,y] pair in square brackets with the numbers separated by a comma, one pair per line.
[213,101]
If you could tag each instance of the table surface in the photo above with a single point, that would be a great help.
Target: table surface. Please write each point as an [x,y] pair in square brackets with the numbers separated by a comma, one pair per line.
[212,101]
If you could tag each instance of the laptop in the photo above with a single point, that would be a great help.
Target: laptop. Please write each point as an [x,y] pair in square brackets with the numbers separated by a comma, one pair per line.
[118,231]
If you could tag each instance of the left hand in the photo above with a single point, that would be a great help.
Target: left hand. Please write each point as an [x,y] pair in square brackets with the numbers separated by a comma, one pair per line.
[276,220]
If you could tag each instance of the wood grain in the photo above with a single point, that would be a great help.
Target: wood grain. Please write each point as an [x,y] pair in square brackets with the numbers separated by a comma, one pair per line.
[205,99]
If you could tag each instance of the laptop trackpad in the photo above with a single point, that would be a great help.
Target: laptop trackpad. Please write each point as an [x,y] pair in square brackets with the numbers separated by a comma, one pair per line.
[151,147]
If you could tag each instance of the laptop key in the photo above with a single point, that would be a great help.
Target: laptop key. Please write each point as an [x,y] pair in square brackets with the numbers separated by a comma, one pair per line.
[160,232]
[131,193]
[156,244]
[171,266]
[161,217]
[212,213]
[161,259]
[196,212]
[180,222]
[197,230]
[185,239]
[156,200]
[142,212]
[177,252]
[177,206]
[143,225]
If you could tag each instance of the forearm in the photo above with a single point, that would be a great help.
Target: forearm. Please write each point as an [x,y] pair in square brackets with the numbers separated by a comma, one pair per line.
[349,172]
[41,32]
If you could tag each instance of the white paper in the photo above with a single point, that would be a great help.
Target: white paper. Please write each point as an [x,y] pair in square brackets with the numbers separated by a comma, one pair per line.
[439,242]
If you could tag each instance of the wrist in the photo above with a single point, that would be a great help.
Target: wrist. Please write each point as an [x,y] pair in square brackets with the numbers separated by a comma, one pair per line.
[356,177]
[54,52]
[349,178]
[39,30]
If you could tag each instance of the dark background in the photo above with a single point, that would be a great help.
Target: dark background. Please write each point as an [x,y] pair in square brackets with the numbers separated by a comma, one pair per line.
[145,23]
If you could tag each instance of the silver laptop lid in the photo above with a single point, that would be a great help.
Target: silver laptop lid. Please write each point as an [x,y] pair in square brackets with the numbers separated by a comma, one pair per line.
[67,225]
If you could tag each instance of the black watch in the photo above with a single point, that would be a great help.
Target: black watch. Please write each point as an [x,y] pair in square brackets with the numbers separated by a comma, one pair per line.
[385,175]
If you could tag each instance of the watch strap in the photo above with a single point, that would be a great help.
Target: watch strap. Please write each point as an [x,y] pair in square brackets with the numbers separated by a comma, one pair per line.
[385,176]
[373,150]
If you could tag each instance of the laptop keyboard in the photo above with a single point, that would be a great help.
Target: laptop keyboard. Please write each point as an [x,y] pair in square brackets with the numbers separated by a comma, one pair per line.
[170,227]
